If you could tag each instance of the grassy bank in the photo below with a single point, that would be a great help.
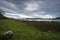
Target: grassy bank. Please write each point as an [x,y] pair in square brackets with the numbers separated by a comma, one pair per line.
[22,31]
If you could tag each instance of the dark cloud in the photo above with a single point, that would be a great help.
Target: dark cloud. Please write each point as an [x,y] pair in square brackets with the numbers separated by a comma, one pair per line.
[32,8]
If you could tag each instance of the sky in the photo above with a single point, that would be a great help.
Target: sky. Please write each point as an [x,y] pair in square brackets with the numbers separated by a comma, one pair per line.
[30,8]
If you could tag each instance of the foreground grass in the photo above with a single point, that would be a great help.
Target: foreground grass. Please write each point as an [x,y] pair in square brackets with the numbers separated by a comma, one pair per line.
[24,32]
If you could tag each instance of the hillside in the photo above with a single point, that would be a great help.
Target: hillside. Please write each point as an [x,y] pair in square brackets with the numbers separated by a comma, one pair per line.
[24,32]
[58,18]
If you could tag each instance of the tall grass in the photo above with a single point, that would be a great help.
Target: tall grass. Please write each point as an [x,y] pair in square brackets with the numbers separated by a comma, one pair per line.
[22,31]
[45,25]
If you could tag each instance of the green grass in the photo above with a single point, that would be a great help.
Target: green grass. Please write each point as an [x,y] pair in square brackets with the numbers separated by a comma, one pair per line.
[24,32]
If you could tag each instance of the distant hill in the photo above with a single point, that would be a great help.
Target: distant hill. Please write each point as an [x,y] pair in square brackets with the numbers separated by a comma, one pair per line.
[57,18]
[2,14]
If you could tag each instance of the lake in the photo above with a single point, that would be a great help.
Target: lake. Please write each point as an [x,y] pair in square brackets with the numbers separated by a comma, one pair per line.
[44,20]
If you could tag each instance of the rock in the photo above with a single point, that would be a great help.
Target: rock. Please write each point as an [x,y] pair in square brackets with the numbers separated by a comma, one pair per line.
[49,31]
[8,32]
[7,35]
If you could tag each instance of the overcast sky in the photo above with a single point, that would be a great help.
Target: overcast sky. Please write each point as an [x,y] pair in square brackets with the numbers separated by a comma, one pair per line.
[31,8]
